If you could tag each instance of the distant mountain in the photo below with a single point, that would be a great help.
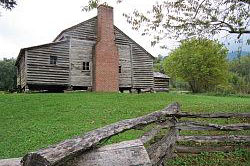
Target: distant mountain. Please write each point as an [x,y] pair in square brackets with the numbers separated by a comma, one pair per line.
[234,54]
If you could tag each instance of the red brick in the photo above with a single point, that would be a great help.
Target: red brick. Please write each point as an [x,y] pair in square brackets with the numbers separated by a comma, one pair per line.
[106,58]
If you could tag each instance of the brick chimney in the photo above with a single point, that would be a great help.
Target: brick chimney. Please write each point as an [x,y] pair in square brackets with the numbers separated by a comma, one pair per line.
[105,58]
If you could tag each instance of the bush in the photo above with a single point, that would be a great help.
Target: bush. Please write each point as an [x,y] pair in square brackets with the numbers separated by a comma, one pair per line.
[200,62]
[7,74]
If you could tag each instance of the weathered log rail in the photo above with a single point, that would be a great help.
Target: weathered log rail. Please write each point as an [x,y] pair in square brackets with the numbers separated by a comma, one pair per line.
[216,139]
[214,115]
[60,154]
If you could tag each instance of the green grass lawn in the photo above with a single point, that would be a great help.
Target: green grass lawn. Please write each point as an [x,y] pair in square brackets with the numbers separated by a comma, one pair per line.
[31,121]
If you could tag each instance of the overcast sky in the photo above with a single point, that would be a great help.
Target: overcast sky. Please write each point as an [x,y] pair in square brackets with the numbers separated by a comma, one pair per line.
[35,22]
[40,21]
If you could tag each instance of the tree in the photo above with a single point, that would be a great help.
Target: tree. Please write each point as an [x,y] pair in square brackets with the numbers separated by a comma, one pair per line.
[200,62]
[158,67]
[8,4]
[7,74]
[241,66]
[240,74]
[181,19]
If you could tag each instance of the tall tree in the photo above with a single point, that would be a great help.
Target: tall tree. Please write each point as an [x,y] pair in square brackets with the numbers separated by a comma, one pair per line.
[180,19]
[200,62]
[7,74]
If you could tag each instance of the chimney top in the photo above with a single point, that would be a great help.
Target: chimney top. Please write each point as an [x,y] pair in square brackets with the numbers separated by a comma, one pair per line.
[105,5]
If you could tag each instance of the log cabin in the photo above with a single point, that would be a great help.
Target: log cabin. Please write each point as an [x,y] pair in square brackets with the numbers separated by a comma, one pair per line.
[92,55]
[161,82]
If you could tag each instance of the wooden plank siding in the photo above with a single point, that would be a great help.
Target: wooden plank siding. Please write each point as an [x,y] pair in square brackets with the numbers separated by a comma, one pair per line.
[125,77]
[81,51]
[136,63]
[161,82]
[21,73]
[84,31]
[18,74]
[141,61]
[39,69]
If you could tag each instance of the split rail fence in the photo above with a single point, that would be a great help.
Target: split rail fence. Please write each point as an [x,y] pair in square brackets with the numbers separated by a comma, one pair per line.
[158,152]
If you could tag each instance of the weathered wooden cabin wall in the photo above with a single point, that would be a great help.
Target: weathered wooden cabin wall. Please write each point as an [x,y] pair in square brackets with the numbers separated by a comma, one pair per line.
[142,62]
[18,77]
[21,74]
[161,82]
[141,72]
[125,77]
[39,69]
[84,31]
[80,51]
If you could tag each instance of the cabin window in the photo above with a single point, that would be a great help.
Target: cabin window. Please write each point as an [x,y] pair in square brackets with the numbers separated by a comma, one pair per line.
[120,69]
[53,60]
[85,66]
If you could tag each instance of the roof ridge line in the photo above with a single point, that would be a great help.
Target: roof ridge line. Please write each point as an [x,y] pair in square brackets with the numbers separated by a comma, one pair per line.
[72,27]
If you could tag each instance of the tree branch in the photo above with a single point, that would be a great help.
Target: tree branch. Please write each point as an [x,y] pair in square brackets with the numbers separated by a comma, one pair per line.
[198,8]
[245,1]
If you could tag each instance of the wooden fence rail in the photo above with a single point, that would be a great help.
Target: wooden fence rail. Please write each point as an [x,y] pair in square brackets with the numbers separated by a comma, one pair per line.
[221,138]
[213,115]
[62,153]
[187,125]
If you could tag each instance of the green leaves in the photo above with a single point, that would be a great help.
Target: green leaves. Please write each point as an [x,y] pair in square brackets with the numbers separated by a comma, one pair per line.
[92,4]
[240,76]
[181,19]
[7,74]
[200,62]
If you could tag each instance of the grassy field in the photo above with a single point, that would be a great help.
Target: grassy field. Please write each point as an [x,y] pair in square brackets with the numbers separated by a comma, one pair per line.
[32,121]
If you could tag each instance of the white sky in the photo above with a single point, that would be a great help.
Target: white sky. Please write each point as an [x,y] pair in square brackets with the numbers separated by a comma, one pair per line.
[35,22]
